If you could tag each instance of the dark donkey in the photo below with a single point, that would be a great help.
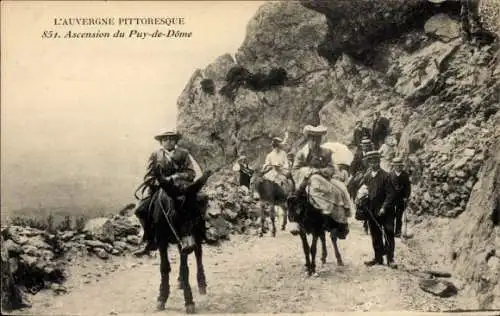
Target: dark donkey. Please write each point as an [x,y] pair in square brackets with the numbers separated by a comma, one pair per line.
[313,221]
[270,193]
[178,217]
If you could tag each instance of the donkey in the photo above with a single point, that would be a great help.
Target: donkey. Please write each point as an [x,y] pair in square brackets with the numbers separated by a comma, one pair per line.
[313,221]
[178,219]
[270,193]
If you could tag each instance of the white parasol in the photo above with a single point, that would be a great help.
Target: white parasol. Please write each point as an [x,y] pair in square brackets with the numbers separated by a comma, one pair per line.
[341,153]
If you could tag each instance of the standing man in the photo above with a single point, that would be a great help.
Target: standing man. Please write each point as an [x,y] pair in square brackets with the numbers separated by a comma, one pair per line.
[380,130]
[168,163]
[402,190]
[360,132]
[380,211]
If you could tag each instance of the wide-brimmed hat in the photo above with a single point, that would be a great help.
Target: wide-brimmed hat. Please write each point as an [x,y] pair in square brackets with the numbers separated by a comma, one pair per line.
[397,161]
[167,133]
[310,130]
[276,140]
[374,154]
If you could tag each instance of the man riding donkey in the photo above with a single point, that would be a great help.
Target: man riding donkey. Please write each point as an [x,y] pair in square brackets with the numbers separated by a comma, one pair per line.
[169,163]
[276,170]
[320,203]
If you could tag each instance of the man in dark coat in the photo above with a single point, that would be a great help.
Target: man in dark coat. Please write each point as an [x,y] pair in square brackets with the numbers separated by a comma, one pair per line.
[380,211]
[360,132]
[170,163]
[380,130]
[402,190]
[358,168]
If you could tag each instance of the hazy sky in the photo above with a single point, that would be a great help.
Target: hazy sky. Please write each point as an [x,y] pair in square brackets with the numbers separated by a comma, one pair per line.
[78,115]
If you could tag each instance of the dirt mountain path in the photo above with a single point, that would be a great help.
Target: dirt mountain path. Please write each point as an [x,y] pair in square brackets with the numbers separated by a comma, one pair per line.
[246,275]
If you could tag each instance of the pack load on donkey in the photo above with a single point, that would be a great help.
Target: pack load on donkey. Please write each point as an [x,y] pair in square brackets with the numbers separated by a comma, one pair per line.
[323,191]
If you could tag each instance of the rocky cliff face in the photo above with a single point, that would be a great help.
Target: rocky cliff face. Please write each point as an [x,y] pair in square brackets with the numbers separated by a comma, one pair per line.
[334,62]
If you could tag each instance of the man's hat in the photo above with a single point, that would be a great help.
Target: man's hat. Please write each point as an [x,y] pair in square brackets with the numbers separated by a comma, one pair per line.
[167,133]
[374,154]
[277,140]
[310,130]
[397,161]
[366,141]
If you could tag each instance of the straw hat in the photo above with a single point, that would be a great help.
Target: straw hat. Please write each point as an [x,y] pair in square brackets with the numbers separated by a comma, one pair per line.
[366,141]
[310,130]
[374,154]
[397,161]
[277,140]
[167,133]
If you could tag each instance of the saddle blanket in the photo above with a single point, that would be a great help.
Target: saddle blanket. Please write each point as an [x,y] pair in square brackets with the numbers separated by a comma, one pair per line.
[329,196]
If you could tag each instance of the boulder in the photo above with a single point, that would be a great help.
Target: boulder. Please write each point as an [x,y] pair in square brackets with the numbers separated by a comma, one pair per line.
[442,26]
[11,294]
[441,288]
[99,228]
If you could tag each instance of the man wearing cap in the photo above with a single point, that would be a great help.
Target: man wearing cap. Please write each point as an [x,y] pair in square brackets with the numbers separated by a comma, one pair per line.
[312,155]
[360,132]
[313,166]
[380,210]
[402,190]
[380,129]
[168,163]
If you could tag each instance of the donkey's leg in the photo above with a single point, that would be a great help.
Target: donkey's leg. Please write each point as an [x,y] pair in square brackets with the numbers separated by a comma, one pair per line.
[333,235]
[180,285]
[324,252]
[200,271]
[314,245]
[305,247]
[262,218]
[164,271]
[285,217]
[188,294]
[272,213]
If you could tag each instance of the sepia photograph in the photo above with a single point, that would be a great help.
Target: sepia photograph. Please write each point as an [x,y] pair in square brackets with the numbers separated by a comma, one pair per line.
[315,157]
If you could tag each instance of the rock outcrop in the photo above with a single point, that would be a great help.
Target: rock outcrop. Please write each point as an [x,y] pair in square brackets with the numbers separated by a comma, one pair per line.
[476,243]
[407,59]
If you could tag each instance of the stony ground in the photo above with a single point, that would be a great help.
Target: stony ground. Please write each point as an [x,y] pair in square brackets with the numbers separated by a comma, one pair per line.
[249,275]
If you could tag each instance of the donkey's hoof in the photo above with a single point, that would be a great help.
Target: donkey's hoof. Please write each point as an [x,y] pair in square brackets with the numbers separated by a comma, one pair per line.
[202,290]
[190,309]
[340,263]
[160,306]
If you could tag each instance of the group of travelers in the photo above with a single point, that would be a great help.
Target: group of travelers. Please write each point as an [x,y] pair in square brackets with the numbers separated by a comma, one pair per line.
[375,183]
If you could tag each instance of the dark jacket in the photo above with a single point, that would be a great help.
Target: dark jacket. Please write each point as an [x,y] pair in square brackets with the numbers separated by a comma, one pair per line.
[359,134]
[163,164]
[357,164]
[380,129]
[245,175]
[380,191]
[401,184]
